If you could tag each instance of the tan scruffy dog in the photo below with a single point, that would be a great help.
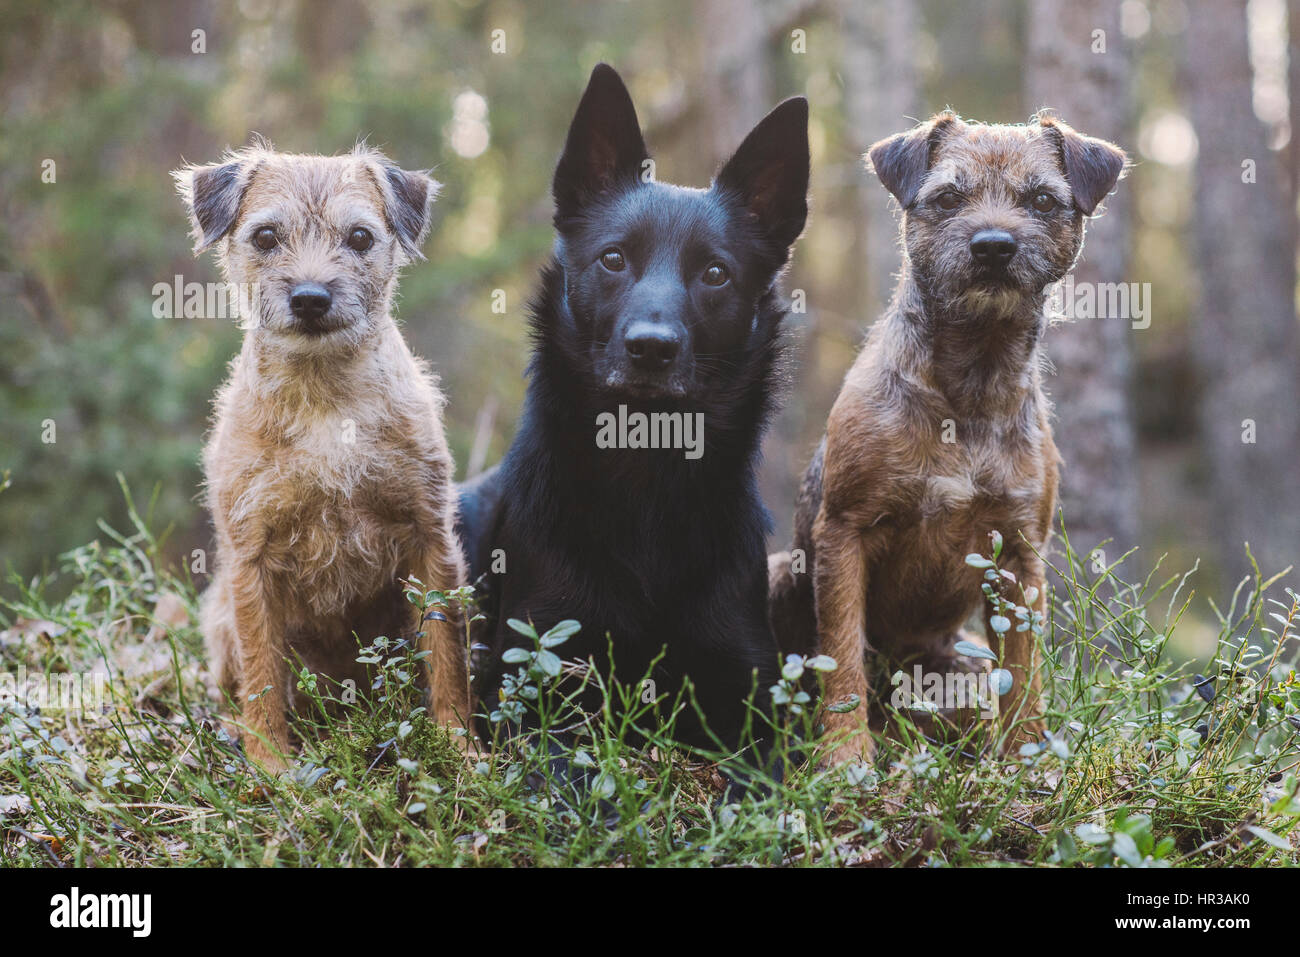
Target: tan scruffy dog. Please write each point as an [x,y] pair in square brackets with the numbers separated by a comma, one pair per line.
[327,470]
[940,434]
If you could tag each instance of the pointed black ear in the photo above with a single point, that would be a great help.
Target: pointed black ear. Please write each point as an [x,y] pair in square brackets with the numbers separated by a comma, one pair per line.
[408,197]
[213,193]
[1092,166]
[902,160]
[768,174]
[604,144]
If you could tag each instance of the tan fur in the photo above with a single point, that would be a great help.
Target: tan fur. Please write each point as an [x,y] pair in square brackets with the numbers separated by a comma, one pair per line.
[889,510]
[327,469]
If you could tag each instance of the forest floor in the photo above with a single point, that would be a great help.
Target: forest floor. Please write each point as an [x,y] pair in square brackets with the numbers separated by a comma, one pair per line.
[1151,764]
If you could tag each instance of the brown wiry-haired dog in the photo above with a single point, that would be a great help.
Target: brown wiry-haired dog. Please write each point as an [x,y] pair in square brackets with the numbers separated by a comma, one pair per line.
[940,434]
[327,470]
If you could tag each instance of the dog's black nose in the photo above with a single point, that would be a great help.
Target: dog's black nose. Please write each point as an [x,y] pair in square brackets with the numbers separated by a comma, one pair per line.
[993,247]
[652,346]
[309,301]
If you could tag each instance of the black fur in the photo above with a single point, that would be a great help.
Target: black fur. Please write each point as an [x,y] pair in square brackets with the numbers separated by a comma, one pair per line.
[648,546]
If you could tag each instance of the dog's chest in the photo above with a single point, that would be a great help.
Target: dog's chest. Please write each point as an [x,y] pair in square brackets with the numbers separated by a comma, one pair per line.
[962,491]
[329,506]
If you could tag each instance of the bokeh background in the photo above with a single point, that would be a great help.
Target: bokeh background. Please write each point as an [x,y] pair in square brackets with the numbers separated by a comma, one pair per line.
[101,100]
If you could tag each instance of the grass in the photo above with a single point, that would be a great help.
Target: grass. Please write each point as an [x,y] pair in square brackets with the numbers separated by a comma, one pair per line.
[1150,764]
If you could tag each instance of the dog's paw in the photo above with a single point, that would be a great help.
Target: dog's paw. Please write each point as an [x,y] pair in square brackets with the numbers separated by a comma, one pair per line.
[848,745]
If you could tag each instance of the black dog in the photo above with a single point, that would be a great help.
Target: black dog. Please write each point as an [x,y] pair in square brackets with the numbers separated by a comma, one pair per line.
[659,299]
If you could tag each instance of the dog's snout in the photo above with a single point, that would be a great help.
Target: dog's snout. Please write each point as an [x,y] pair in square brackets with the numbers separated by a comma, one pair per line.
[652,346]
[310,301]
[993,247]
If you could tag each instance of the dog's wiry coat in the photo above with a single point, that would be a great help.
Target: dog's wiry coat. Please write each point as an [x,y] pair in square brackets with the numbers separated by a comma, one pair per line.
[653,550]
[327,470]
[941,434]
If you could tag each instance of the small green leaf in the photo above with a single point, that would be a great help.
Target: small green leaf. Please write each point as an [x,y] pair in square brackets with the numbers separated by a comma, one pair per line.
[1000,623]
[972,650]
[822,663]
[561,633]
[975,560]
[1090,833]
[1268,837]
[549,663]
[525,629]
[1126,850]
[1066,849]
[516,656]
[844,707]
[605,786]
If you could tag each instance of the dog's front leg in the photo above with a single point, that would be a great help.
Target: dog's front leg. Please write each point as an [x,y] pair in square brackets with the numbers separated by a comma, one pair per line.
[1019,652]
[264,685]
[441,636]
[841,592]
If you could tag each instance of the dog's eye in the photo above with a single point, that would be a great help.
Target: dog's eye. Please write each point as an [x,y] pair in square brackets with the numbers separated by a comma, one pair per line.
[613,260]
[1044,202]
[715,275]
[360,239]
[948,199]
[265,239]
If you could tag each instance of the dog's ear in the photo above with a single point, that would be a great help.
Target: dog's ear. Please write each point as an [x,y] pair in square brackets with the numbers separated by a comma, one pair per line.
[1092,166]
[408,198]
[902,160]
[604,144]
[768,174]
[212,194]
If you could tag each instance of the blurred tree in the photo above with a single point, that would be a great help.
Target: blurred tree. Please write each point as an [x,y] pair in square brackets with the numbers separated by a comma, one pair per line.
[735,61]
[1246,337]
[1078,65]
[878,60]
[1293,106]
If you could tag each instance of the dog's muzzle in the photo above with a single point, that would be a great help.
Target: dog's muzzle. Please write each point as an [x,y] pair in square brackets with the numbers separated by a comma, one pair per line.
[310,303]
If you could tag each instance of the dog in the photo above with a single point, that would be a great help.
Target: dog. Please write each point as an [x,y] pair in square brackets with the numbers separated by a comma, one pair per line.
[658,312]
[940,435]
[327,470]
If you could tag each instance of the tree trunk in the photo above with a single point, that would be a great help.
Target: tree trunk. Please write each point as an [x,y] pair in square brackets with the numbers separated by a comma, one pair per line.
[735,74]
[1092,357]
[879,39]
[1245,340]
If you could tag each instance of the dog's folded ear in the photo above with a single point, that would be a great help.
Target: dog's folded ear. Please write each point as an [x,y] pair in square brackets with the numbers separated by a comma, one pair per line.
[212,194]
[408,198]
[604,146]
[1092,166]
[769,172]
[902,160]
